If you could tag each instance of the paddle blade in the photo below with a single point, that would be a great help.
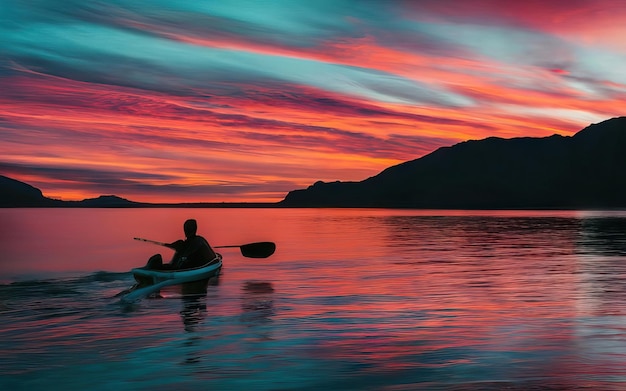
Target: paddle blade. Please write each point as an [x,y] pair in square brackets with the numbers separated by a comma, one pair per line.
[258,250]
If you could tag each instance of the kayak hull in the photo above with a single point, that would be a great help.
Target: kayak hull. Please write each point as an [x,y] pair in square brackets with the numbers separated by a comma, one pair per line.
[151,280]
[151,276]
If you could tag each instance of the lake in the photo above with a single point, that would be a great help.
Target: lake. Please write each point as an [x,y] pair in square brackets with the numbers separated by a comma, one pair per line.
[353,299]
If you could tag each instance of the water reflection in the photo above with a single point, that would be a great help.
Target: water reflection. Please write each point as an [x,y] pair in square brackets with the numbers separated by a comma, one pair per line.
[601,249]
[355,299]
[257,304]
[193,314]
[603,236]
[194,304]
[505,285]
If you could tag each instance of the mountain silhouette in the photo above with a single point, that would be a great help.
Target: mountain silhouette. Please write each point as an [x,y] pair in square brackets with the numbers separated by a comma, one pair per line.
[16,194]
[583,171]
[580,171]
[107,201]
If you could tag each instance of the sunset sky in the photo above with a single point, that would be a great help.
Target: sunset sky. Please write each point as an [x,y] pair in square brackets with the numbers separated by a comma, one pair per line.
[169,100]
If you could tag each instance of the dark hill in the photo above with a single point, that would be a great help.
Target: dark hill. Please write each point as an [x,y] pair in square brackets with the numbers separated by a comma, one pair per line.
[106,201]
[14,193]
[583,171]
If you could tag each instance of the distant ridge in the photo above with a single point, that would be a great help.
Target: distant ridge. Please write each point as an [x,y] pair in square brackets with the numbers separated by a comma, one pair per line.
[105,201]
[582,171]
[16,194]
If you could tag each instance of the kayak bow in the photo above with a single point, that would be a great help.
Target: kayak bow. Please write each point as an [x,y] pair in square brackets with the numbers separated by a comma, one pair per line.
[152,280]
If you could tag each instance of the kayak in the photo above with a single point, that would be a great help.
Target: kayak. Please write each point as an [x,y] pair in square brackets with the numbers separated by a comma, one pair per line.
[152,280]
[146,276]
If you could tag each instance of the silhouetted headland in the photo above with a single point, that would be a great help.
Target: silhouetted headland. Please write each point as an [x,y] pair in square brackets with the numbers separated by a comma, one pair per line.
[584,171]
[578,172]
[16,194]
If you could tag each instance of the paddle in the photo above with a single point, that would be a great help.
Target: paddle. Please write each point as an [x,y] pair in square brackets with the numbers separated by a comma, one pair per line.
[249,250]
[153,242]
[255,250]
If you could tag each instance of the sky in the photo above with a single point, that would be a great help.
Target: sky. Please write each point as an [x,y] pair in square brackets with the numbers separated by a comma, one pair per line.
[243,101]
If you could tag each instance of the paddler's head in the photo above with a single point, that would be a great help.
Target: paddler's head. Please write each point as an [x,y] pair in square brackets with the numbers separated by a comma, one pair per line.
[190,227]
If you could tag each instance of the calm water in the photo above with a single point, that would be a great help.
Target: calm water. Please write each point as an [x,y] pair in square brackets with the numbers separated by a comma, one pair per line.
[351,300]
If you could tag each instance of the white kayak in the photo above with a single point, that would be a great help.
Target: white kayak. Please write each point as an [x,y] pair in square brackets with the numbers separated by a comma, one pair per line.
[151,280]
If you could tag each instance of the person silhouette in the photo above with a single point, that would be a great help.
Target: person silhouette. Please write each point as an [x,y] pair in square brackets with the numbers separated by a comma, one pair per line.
[192,252]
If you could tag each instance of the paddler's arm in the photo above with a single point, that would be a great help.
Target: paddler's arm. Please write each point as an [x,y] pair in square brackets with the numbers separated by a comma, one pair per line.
[177,245]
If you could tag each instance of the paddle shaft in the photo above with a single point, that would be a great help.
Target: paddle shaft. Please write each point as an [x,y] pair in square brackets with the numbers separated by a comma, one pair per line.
[152,241]
[250,250]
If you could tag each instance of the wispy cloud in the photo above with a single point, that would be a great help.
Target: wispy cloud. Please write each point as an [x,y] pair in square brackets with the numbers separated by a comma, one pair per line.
[242,100]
